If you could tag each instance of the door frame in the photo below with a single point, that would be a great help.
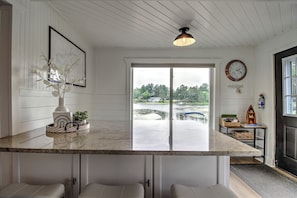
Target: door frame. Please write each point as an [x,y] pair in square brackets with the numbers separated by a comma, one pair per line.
[5,65]
[279,144]
[214,81]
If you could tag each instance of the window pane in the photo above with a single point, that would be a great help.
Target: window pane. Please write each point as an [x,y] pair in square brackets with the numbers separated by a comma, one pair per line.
[290,105]
[294,87]
[289,85]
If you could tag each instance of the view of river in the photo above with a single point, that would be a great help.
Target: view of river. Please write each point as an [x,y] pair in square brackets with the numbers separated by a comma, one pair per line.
[151,126]
[161,111]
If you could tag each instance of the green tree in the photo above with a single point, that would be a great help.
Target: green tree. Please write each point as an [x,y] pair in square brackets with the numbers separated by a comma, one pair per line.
[203,93]
[163,92]
[145,95]
[193,94]
[181,93]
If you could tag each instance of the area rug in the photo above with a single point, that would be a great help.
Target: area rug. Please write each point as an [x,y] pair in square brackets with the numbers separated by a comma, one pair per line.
[265,181]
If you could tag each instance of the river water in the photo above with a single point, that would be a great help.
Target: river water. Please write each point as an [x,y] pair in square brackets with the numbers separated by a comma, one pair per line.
[179,111]
[151,126]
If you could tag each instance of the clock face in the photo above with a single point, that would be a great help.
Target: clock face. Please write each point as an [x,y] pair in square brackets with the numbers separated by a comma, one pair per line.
[236,70]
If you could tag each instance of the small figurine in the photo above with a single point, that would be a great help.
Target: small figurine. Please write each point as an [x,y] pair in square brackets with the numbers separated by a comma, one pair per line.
[250,116]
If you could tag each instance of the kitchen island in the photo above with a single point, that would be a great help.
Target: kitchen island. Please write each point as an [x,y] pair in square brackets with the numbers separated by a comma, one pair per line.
[106,153]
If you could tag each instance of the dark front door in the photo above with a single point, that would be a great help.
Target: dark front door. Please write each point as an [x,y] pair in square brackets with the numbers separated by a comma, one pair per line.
[286,109]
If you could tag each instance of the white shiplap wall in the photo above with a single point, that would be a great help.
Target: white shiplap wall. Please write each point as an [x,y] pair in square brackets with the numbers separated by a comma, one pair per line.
[265,84]
[112,90]
[32,102]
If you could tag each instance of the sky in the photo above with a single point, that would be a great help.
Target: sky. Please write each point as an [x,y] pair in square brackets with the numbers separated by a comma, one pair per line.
[186,76]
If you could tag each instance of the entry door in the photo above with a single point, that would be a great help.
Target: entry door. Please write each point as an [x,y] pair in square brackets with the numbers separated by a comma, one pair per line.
[286,109]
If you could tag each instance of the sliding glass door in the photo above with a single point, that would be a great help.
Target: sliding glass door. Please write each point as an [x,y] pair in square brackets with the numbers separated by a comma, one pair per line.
[170,107]
[151,96]
[190,108]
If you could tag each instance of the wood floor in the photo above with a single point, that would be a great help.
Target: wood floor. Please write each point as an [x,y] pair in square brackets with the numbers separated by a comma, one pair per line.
[241,189]
[244,160]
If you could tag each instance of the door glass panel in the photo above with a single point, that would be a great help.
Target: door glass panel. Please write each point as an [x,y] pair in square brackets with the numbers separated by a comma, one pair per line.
[190,108]
[294,86]
[289,65]
[151,108]
[291,105]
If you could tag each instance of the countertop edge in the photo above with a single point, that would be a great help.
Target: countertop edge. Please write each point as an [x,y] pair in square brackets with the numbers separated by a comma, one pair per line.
[134,152]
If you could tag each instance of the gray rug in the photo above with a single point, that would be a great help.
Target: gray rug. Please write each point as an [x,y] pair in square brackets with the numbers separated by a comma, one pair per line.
[265,181]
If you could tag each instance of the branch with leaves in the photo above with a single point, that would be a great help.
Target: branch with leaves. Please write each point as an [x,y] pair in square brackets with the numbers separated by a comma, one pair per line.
[56,73]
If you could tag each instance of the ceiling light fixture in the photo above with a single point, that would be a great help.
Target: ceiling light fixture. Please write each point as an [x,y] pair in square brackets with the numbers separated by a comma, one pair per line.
[184,39]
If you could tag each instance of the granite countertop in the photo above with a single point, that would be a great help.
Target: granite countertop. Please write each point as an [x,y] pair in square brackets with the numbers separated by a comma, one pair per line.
[114,137]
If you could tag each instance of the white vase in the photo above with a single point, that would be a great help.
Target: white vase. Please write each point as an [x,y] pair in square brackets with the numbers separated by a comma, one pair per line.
[61,106]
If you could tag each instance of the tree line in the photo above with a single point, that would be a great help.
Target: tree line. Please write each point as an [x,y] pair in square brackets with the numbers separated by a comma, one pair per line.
[183,93]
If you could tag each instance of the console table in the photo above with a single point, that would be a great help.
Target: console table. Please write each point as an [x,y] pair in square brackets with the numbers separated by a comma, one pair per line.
[249,127]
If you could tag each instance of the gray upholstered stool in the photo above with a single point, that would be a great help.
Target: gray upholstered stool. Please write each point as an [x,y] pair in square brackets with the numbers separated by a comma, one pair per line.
[108,191]
[216,191]
[21,190]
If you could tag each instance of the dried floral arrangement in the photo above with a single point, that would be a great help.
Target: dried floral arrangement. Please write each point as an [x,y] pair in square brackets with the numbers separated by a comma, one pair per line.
[57,73]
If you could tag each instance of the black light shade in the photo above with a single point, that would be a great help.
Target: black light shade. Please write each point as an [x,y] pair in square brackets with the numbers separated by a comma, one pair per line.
[184,39]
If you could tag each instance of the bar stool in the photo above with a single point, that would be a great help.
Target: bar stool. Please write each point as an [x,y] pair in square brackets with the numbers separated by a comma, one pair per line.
[22,190]
[215,191]
[94,190]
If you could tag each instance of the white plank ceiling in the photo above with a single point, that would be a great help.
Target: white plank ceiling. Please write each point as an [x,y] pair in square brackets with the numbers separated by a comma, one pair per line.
[155,23]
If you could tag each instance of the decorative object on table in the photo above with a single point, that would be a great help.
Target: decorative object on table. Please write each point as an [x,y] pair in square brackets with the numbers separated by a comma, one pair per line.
[61,118]
[58,77]
[229,120]
[70,127]
[250,116]
[236,70]
[60,73]
[261,101]
[80,117]
[61,105]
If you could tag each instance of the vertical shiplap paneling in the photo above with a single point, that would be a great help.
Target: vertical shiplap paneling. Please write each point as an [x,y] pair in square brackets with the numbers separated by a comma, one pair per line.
[157,21]
[221,17]
[294,16]
[205,10]
[30,40]
[274,15]
[202,24]
[286,16]
[263,13]
[255,24]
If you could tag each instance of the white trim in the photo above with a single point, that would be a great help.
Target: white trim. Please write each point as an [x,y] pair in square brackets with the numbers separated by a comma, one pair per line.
[223,174]
[149,176]
[16,167]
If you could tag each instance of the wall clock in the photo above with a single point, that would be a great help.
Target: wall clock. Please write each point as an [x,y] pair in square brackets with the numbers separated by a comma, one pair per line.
[236,70]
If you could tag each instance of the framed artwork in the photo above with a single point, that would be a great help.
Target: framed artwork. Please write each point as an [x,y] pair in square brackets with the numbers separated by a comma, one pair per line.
[62,51]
